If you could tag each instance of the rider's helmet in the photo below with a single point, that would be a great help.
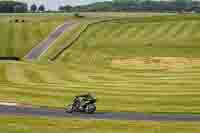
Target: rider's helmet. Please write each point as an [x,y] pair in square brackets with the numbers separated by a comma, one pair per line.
[92,96]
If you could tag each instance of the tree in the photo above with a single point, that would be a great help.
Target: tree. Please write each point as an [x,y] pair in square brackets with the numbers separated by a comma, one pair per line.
[19,8]
[61,8]
[12,6]
[182,4]
[68,8]
[34,8]
[123,1]
[41,8]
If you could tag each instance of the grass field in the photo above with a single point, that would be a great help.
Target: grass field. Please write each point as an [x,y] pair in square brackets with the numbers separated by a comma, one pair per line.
[11,124]
[144,65]
[140,64]
[16,39]
[147,64]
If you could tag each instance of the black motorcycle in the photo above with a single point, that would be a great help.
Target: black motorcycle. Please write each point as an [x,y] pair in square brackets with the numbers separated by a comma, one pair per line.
[86,103]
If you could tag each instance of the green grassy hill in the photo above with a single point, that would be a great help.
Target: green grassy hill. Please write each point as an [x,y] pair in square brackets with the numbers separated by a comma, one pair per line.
[16,39]
[142,65]
[148,65]
[142,37]
[139,64]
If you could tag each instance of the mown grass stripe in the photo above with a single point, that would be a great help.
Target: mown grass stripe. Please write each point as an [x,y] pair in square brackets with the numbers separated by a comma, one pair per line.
[187,32]
[9,48]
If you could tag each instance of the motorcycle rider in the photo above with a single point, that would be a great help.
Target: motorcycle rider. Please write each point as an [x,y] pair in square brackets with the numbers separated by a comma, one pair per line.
[81,100]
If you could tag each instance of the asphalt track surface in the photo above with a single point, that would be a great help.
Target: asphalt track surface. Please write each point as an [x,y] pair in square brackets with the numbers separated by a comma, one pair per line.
[30,111]
[39,49]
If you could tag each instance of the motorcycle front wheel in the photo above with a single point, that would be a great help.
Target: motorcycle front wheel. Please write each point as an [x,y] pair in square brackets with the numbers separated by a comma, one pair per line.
[90,108]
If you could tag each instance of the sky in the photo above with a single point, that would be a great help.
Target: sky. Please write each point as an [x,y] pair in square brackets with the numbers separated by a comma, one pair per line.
[54,4]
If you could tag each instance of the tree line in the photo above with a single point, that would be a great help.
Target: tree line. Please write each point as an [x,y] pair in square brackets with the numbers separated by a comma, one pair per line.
[138,5]
[115,5]
[13,6]
[19,7]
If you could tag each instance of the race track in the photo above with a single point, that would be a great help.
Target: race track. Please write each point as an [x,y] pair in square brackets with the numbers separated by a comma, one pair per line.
[30,111]
[37,51]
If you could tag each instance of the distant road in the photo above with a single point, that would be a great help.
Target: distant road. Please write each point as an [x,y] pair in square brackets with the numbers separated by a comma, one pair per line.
[39,49]
[30,111]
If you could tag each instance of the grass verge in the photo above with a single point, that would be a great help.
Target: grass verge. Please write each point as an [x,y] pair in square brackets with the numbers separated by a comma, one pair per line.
[19,124]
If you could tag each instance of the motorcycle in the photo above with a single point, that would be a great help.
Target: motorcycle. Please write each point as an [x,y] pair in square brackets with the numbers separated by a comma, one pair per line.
[86,105]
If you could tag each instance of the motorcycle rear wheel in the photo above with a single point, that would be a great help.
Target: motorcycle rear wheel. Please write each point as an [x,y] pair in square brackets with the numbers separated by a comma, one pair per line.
[69,109]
